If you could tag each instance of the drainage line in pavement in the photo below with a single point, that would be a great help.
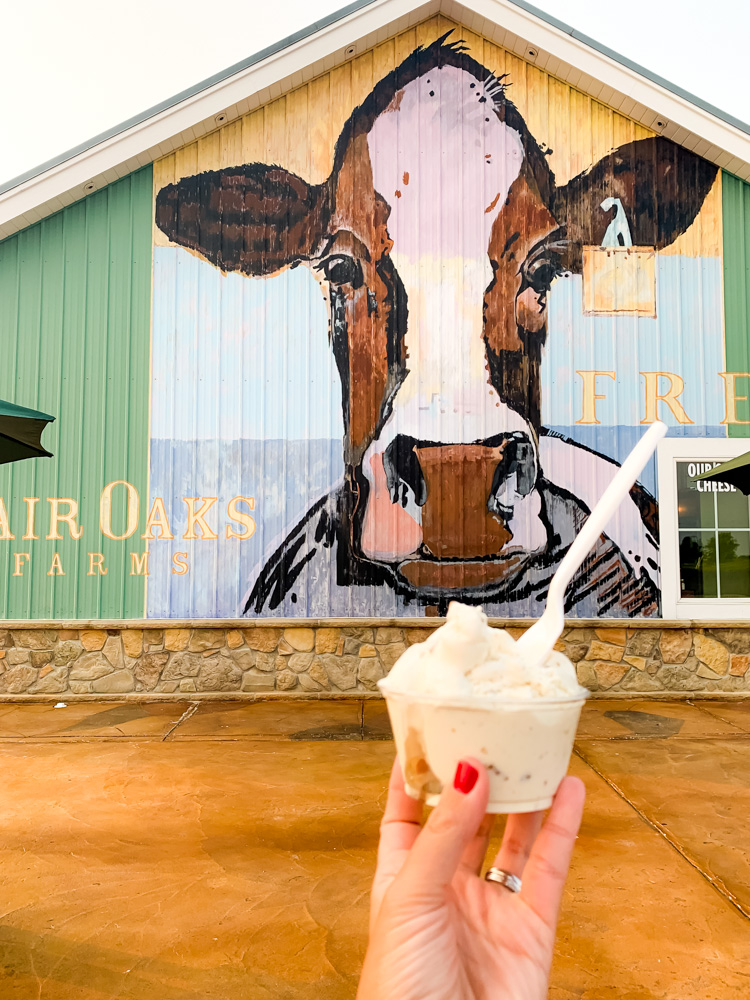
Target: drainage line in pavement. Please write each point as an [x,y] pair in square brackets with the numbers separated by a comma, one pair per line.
[710,715]
[189,711]
[715,882]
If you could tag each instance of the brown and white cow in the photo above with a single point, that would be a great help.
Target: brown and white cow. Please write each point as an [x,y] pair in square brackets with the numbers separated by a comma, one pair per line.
[436,239]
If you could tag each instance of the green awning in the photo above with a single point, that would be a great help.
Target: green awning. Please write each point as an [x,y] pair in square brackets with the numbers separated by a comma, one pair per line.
[736,472]
[21,432]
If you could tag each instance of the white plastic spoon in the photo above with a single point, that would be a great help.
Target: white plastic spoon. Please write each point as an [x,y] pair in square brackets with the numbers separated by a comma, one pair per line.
[537,642]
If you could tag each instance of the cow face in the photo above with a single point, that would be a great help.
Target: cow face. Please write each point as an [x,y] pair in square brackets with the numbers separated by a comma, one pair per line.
[436,240]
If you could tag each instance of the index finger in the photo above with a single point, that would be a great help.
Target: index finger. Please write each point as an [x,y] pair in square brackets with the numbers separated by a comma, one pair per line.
[402,819]
[547,867]
[399,829]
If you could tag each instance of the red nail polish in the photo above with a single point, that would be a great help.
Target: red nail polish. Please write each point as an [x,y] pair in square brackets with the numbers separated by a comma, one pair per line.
[466,777]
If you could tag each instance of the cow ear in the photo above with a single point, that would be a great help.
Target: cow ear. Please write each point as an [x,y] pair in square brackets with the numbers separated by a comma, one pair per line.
[254,218]
[660,185]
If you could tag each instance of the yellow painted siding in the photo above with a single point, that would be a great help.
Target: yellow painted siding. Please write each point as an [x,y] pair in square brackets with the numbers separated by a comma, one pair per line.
[299,130]
[704,238]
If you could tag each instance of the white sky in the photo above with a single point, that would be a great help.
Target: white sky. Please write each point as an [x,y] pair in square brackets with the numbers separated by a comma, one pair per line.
[71,70]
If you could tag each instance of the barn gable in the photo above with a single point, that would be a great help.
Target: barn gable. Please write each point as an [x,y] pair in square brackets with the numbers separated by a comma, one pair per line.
[543,41]
[352,384]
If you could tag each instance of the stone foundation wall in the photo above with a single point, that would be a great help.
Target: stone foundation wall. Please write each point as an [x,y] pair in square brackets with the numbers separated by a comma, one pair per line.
[325,658]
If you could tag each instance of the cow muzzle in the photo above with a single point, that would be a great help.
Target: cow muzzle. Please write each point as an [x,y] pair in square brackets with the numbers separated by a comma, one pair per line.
[443,513]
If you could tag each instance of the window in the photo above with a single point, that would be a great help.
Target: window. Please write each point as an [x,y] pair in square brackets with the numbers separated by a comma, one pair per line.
[705,532]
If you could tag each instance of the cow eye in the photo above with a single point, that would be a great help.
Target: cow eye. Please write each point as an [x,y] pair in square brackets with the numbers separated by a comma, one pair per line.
[342,269]
[543,265]
[541,273]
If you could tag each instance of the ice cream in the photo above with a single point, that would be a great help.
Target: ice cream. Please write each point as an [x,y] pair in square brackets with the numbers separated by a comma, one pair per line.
[466,657]
[465,691]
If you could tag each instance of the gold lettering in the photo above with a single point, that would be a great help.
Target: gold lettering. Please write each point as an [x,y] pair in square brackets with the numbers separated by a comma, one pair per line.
[56,518]
[157,518]
[56,567]
[247,522]
[139,564]
[196,517]
[731,398]
[18,556]
[590,395]
[96,564]
[31,503]
[676,385]
[179,563]
[105,510]
[5,532]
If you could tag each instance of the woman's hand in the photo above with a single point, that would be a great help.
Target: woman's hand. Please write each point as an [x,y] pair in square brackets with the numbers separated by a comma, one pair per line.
[440,932]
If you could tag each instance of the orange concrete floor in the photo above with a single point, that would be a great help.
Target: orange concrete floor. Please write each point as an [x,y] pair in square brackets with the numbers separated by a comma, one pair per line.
[223,851]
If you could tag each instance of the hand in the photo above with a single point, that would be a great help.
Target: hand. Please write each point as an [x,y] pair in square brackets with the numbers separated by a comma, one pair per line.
[440,932]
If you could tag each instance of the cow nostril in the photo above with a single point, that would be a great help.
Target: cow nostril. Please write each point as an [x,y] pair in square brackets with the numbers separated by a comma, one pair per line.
[514,477]
[403,471]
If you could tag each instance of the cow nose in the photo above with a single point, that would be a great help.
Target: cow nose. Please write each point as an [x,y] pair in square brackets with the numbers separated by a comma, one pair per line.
[513,456]
[515,474]
[403,471]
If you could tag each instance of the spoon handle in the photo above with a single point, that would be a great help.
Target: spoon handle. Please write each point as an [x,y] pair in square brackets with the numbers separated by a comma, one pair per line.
[537,638]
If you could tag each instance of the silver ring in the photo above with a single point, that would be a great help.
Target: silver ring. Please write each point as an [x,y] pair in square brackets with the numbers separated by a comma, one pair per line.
[503,878]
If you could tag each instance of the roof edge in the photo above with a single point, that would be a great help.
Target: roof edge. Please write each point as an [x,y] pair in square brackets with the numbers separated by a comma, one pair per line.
[617,57]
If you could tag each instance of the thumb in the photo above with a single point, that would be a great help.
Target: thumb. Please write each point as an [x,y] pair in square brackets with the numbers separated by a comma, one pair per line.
[436,853]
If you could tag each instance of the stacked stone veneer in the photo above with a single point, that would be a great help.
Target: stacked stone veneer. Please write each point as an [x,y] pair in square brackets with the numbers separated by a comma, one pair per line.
[326,659]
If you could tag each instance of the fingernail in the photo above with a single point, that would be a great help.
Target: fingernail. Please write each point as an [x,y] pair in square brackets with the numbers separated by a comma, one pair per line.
[466,777]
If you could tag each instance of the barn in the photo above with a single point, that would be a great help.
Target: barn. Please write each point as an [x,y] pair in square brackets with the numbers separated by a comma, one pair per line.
[364,325]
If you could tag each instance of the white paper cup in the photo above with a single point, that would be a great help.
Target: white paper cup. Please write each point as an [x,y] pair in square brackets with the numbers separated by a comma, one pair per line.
[524,744]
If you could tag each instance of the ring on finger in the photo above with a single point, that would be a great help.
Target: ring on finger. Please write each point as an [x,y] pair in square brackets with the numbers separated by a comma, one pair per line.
[506,879]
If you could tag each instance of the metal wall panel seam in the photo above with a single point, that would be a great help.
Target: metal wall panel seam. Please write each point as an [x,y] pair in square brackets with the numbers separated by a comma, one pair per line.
[736,245]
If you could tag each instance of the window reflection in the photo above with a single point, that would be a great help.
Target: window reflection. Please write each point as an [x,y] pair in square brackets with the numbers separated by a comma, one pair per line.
[696,509]
[732,510]
[734,560]
[698,564]
[713,520]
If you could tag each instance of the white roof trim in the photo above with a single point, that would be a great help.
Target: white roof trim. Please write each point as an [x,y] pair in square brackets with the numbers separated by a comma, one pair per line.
[509,23]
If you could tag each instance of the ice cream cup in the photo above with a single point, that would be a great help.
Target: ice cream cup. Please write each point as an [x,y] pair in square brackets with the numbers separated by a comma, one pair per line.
[525,744]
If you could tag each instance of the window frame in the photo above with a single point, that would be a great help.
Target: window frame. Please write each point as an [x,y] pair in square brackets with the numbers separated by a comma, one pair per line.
[669,452]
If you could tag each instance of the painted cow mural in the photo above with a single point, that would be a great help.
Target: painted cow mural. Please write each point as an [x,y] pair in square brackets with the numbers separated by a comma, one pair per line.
[436,240]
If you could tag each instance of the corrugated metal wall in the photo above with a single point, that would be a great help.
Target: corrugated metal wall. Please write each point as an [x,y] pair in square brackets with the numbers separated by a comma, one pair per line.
[737,290]
[246,394]
[350,417]
[75,294]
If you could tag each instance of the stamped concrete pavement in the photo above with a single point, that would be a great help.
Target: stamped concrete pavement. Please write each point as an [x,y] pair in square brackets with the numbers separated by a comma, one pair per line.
[224,850]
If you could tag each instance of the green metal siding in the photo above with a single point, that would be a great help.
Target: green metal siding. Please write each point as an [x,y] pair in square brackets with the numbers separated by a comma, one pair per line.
[75,304]
[736,224]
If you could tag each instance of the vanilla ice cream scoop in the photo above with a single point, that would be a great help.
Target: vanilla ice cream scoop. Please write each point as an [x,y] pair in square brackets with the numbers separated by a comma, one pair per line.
[465,658]
[470,691]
